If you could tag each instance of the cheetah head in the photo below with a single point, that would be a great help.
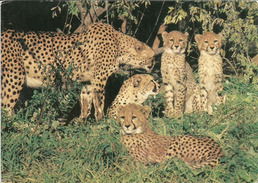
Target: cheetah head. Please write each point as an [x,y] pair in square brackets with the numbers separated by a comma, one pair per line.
[135,53]
[175,41]
[209,42]
[133,119]
[138,88]
[134,90]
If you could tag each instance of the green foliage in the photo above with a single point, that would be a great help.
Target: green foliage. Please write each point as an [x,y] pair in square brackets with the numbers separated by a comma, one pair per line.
[94,153]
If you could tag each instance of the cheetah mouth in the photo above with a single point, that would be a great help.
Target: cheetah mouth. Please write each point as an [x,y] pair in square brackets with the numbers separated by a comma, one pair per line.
[126,132]
[135,130]
[144,68]
[137,70]
[212,51]
[178,50]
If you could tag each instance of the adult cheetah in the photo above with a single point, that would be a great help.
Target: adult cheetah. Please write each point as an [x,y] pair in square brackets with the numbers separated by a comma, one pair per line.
[94,54]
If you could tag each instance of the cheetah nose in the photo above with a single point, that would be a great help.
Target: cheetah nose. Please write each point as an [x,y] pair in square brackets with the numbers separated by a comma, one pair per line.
[212,47]
[155,90]
[176,47]
[149,66]
[127,126]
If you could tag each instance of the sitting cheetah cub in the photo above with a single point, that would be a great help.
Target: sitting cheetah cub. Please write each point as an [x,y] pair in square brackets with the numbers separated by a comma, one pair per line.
[181,91]
[210,67]
[173,71]
[149,148]
[135,90]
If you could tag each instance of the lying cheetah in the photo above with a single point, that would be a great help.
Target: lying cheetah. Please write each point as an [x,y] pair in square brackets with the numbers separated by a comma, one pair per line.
[134,90]
[95,54]
[210,67]
[149,148]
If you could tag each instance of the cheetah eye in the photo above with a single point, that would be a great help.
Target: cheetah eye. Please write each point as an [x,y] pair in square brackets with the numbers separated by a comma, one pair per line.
[139,47]
[134,117]
[215,41]
[122,117]
[172,40]
[180,40]
[136,83]
[206,42]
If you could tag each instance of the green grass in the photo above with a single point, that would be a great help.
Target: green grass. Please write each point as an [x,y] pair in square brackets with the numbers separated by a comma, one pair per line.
[93,152]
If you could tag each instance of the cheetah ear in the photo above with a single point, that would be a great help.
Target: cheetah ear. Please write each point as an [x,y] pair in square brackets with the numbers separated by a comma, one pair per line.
[146,111]
[164,35]
[137,82]
[186,34]
[197,38]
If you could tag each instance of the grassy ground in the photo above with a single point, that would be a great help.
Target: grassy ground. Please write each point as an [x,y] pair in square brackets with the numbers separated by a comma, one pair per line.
[93,153]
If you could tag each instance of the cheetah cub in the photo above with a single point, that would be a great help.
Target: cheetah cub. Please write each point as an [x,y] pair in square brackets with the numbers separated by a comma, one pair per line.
[176,74]
[173,72]
[210,67]
[149,148]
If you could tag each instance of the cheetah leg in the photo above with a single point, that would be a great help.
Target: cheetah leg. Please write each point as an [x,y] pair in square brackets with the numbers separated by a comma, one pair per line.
[224,98]
[100,79]
[180,100]
[203,100]
[210,95]
[211,160]
[10,92]
[86,100]
[220,98]
[98,100]
[209,106]
[196,99]
[169,99]
[219,88]
[189,105]
[200,99]
[11,84]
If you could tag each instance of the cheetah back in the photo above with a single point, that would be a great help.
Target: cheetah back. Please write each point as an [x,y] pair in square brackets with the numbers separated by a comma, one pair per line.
[197,152]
